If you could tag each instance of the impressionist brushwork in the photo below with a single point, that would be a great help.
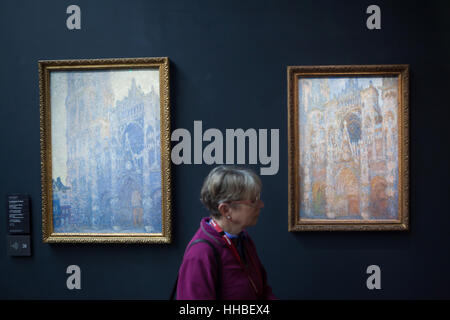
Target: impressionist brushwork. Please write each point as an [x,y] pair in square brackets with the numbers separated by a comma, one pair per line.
[106,158]
[348,148]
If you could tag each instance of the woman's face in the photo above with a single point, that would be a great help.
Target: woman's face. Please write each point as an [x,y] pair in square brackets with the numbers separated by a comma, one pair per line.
[246,212]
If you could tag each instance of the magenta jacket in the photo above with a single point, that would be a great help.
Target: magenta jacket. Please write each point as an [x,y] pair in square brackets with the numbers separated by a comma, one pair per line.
[199,270]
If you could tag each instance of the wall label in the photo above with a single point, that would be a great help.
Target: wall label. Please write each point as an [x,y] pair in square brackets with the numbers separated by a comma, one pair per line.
[18,206]
[19,246]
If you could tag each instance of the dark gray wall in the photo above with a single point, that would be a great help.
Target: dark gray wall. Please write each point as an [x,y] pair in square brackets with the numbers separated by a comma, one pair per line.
[228,69]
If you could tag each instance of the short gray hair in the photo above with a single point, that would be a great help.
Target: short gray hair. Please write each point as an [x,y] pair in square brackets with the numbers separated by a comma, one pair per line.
[229,183]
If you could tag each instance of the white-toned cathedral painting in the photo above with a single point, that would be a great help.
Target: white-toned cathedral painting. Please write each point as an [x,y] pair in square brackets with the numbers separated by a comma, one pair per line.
[348,142]
[106,157]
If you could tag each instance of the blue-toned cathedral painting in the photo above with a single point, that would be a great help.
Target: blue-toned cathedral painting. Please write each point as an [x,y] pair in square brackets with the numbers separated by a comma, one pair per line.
[106,158]
[348,148]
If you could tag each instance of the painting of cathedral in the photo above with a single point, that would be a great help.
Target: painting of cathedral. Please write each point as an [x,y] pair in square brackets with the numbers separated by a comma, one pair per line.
[348,143]
[106,174]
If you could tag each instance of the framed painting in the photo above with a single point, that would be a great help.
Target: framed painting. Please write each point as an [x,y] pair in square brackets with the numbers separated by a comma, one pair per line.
[105,150]
[348,147]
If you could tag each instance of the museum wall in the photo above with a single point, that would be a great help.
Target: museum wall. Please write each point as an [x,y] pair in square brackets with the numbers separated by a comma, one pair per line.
[228,69]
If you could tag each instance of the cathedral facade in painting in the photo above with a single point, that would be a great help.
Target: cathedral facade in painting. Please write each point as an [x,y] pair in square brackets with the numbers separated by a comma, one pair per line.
[348,142]
[110,180]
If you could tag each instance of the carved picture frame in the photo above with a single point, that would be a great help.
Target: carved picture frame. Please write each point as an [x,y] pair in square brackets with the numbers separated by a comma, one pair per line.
[105,150]
[348,148]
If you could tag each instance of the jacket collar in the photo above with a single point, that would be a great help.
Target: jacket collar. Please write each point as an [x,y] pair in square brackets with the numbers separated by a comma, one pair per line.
[209,231]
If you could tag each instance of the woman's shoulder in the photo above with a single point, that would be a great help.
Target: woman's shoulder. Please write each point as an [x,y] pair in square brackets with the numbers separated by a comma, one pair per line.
[203,251]
[205,237]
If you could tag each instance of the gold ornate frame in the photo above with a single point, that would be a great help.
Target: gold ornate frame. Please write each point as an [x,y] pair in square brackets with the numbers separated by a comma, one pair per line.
[45,68]
[295,222]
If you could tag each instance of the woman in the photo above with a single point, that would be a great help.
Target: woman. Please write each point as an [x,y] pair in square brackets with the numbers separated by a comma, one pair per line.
[220,261]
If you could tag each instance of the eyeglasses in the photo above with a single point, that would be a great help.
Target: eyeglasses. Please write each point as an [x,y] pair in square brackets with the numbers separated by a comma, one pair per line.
[255,203]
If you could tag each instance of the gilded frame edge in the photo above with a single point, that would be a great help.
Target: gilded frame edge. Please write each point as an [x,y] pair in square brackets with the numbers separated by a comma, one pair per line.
[44,68]
[293,72]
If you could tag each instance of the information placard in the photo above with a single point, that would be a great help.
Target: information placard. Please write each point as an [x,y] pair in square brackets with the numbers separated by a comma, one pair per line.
[19,246]
[18,208]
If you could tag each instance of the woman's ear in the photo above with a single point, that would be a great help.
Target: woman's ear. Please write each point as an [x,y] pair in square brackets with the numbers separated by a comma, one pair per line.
[223,208]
